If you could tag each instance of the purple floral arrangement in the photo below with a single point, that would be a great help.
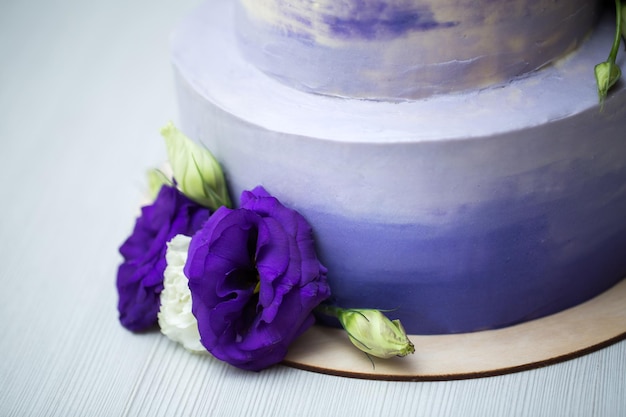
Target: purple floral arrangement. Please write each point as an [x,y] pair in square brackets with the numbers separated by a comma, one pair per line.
[239,283]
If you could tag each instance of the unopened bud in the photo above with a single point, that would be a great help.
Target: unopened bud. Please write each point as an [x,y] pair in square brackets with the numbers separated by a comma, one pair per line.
[373,333]
[197,173]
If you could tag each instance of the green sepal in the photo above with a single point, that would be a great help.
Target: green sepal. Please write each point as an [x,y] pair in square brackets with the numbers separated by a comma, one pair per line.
[156,179]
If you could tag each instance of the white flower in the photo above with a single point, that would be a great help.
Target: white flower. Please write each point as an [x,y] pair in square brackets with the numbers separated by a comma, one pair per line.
[175,317]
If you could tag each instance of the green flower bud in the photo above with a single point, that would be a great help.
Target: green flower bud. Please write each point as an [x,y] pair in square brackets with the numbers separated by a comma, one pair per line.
[607,74]
[373,333]
[197,173]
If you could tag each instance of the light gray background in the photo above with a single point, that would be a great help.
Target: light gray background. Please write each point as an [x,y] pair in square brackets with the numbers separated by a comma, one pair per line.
[84,89]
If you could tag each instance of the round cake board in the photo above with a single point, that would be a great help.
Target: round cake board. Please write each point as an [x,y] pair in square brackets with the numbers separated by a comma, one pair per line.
[577,331]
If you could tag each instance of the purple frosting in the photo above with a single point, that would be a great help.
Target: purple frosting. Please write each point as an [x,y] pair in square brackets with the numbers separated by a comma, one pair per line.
[255,279]
[382,21]
[140,276]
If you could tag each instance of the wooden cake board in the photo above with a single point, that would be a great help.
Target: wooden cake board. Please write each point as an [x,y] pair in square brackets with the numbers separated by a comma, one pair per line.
[574,332]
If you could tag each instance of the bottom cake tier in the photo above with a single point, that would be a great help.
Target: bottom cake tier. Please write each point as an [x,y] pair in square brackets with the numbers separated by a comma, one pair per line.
[455,213]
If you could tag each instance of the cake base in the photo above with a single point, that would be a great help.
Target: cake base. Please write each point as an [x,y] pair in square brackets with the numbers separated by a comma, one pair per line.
[577,331]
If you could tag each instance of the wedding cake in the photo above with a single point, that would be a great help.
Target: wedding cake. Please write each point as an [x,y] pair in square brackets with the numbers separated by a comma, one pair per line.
[452,157]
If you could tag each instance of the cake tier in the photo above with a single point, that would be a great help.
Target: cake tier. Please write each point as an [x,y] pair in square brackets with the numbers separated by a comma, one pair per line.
[406,49]
[458,213]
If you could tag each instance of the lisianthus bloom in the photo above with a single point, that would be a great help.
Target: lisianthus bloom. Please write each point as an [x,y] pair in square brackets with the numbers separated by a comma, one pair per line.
[255,279]
[176,320]
[140,276]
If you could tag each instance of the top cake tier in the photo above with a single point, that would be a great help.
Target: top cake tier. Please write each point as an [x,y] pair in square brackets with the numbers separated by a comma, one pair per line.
[407,49]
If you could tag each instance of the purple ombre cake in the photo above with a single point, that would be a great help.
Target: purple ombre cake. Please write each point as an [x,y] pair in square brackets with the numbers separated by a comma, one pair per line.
[451,156]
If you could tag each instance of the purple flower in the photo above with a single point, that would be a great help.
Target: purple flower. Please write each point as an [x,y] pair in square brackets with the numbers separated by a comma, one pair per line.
[254,278]
[140,276]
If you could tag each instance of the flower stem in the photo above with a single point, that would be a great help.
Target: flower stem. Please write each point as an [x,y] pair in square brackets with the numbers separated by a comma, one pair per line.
[618,32]
[327,310]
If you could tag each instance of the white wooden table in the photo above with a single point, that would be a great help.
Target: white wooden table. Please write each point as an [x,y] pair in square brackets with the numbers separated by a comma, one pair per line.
[84,89]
